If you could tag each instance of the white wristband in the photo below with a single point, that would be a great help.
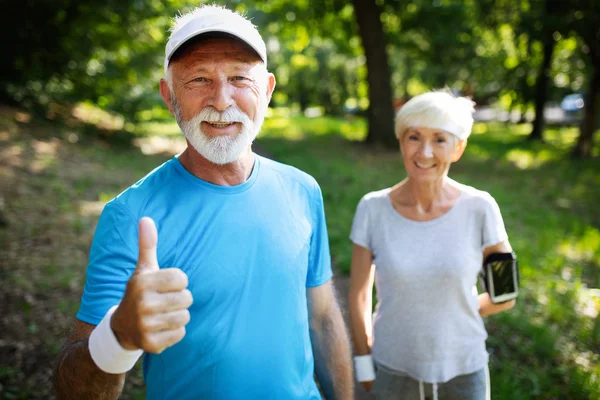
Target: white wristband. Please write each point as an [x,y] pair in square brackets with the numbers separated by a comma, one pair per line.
[364,367]
[106,351]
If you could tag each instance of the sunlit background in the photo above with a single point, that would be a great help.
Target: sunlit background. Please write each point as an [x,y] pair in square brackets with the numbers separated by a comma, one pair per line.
[81,119]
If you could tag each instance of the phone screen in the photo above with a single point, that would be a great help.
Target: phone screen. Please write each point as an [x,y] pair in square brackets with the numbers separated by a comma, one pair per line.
[503,276]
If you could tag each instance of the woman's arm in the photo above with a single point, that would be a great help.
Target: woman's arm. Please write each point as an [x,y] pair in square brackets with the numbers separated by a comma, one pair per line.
[486,307]
[360,301]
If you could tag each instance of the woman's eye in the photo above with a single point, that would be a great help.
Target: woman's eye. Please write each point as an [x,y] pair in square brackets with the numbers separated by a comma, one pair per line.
[413,137]
[441,140]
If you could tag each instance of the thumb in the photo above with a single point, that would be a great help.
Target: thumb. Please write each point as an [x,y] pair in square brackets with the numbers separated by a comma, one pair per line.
[147,240]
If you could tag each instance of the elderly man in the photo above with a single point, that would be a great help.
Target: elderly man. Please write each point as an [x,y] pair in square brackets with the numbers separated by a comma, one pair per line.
[216,265]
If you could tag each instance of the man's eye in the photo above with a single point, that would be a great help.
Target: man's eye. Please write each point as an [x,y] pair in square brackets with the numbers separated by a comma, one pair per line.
[413,137]
[239,78]
[199,79]
[441,140]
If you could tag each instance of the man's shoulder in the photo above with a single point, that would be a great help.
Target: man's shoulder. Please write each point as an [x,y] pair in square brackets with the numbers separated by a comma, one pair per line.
[137,195]
[289,173]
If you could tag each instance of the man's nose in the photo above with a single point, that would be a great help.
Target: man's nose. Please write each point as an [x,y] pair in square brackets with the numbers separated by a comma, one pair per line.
[221,98]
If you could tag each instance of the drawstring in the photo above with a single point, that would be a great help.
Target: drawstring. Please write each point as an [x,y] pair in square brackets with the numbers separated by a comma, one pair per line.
[422,391]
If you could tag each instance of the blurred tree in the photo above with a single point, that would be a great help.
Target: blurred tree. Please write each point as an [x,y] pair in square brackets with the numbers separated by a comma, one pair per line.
[319,61]
[381,110]
[440,35]
[311,50]
[325,53]
[549,21]
[583,18]
[540,23]
[107,52]
[523,33]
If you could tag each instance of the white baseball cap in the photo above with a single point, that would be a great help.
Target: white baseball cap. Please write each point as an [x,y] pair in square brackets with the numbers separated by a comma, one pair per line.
[213,18]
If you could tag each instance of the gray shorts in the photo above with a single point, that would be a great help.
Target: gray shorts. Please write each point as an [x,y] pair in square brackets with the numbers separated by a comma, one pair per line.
[390,385]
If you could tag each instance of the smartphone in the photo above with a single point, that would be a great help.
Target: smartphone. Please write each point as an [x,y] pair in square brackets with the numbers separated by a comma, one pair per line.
[500,276]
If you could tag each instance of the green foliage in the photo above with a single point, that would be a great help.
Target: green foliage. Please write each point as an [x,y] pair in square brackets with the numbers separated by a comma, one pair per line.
[517,29]
[109,53]
[313,51]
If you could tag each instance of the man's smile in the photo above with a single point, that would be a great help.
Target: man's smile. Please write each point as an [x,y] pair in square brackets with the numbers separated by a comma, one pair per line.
[220,125]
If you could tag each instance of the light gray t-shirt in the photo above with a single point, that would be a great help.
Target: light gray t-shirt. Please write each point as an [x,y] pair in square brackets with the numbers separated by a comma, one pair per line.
[427,323]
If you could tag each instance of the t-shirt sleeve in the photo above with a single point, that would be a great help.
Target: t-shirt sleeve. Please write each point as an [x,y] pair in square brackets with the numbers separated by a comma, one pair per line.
[112,259]
[360,225]
[319,258]
[494,231]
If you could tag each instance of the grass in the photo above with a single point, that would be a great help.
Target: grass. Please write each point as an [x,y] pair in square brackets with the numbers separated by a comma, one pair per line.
[56,178]
[548,346]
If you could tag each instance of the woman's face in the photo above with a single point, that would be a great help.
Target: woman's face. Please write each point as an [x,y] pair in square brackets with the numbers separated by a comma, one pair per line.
[428,153]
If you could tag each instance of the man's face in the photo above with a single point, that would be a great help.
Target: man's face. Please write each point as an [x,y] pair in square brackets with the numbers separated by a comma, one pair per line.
[220,92]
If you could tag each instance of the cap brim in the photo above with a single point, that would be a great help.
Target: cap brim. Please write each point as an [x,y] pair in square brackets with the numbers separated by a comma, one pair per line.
[192,35]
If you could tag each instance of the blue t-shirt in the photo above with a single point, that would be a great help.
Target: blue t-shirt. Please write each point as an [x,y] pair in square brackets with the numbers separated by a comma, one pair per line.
[250,251]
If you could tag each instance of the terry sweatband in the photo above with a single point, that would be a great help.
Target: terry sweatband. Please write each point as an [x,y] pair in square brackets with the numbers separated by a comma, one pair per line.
[364,367]
[107,352]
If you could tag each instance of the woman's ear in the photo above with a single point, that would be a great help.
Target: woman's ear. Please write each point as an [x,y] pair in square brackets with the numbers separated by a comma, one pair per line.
[459,150]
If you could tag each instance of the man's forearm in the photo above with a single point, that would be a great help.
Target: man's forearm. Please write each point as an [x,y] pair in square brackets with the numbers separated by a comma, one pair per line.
[78,377]
[333,363]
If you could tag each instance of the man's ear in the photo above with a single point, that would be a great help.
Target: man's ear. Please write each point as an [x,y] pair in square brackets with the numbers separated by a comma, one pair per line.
[459,150]
[270,86]
[165,93]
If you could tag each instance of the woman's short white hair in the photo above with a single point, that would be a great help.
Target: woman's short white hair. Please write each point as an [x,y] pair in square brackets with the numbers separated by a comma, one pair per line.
[437,110]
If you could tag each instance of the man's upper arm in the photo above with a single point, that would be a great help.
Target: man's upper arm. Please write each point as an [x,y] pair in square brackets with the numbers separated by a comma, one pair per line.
[319,259]
[320,301]
[112,259]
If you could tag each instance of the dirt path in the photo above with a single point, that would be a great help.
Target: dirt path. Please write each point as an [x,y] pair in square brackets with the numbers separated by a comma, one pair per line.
[341,283]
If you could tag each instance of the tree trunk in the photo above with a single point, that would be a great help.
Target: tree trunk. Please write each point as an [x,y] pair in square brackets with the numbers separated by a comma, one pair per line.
[302,93]
[541,86]
[381,109]
[585,142]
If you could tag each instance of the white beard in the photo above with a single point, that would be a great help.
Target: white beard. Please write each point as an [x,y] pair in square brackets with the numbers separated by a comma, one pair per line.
[221,149]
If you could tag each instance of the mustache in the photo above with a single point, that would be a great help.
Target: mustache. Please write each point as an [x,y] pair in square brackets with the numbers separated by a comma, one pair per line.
[231,114]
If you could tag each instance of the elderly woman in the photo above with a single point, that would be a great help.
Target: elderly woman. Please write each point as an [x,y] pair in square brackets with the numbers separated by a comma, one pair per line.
[423,242]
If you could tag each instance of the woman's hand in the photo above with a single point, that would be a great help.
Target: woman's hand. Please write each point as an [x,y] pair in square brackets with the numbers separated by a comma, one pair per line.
[486,307]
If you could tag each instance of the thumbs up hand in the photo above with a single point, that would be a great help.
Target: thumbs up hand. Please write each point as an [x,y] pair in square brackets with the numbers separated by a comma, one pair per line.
[154,310]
